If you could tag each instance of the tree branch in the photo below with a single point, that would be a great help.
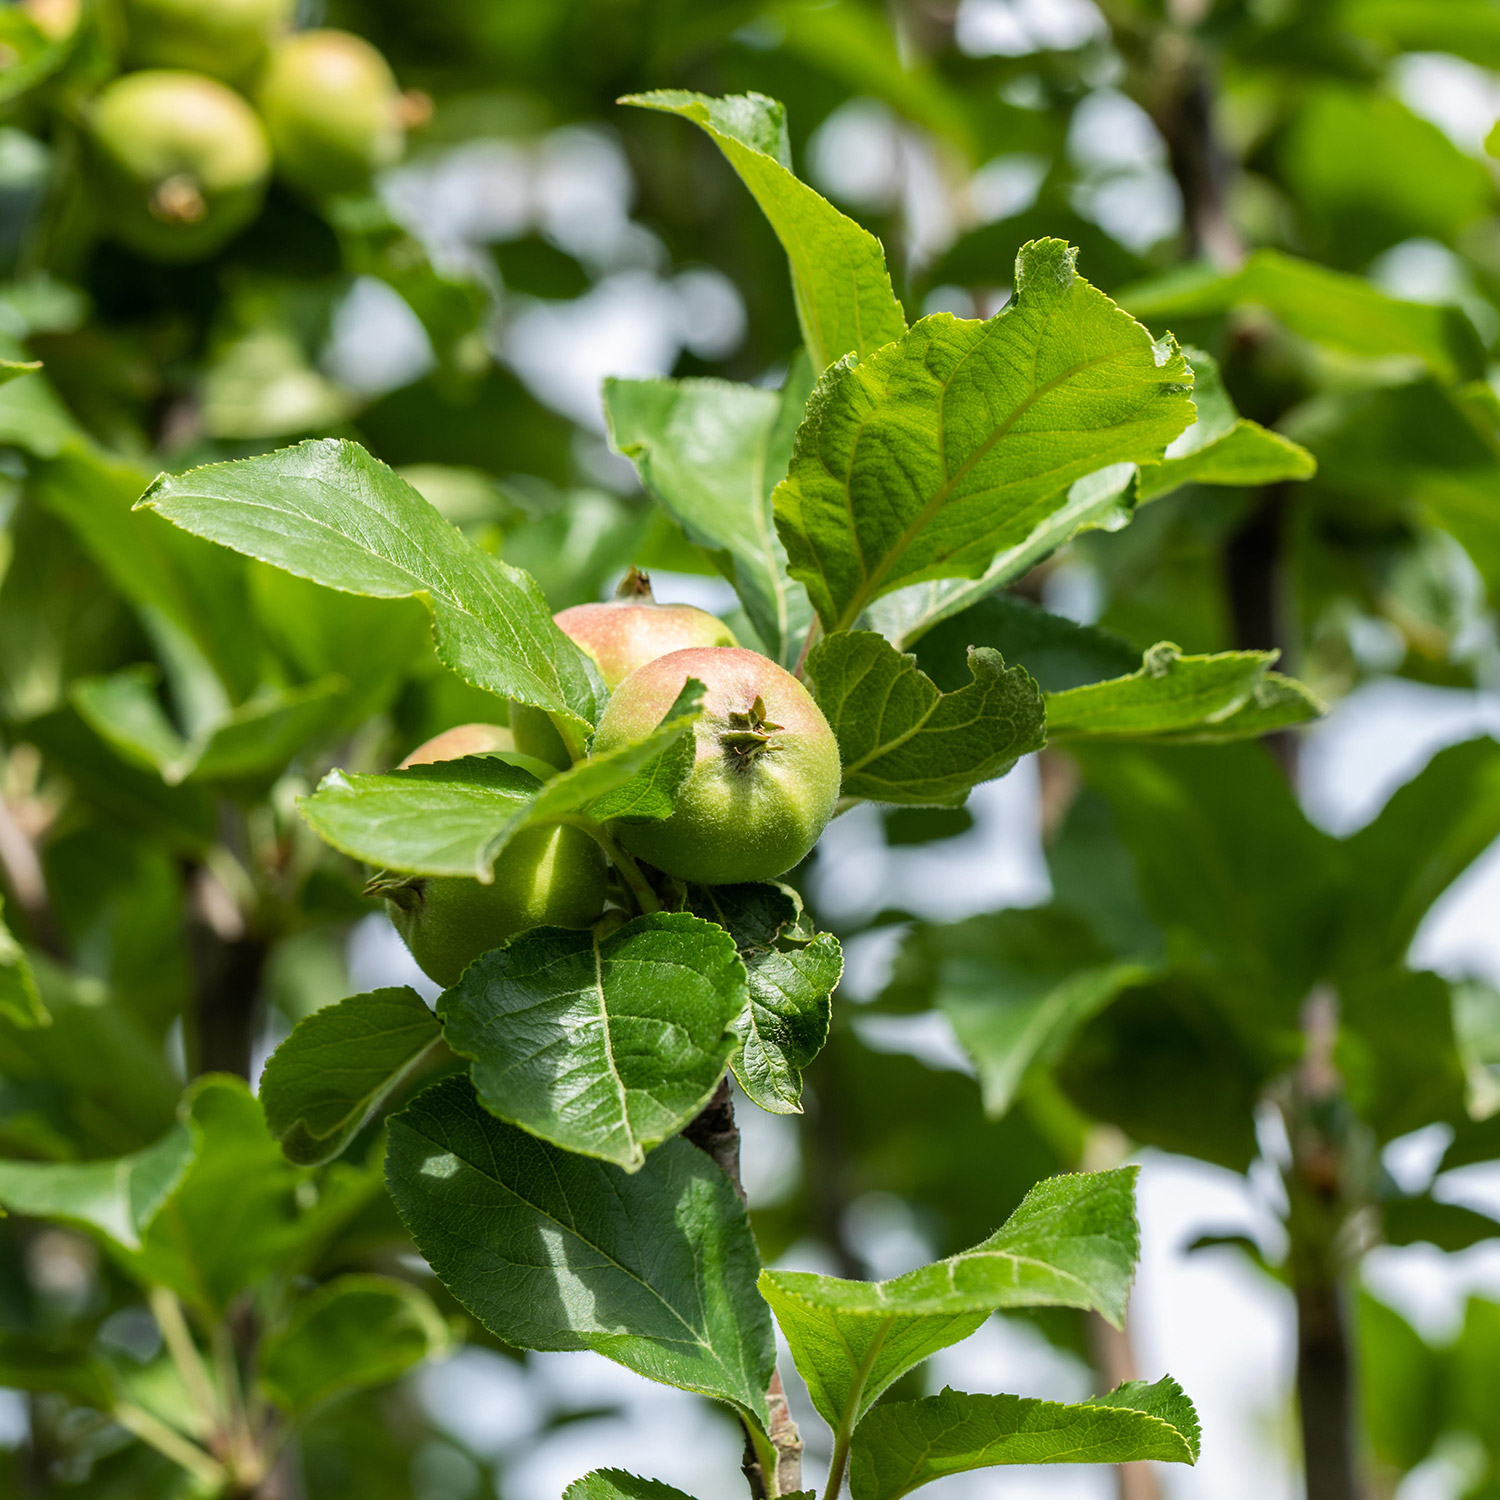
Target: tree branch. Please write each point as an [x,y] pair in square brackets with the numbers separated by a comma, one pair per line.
[715,1132]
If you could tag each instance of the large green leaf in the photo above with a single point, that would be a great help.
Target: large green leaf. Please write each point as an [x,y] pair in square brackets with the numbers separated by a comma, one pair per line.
[601,1044]
[1222,447]
[711,453]
[845,304]
[901,740]
[1423,839]
[325,1081]
[1072,1243]
[907,1444]
[1341,312]
[549,1250]
[20,1000]
[354,1331]
[117,1199]
[327,511]
[456,817]
[931,456]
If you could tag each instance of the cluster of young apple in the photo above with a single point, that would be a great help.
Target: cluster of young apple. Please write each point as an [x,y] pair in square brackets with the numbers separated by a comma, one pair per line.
[221,94]
[762,788]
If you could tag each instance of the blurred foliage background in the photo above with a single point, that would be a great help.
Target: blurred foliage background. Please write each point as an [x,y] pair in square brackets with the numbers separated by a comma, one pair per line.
[455,311]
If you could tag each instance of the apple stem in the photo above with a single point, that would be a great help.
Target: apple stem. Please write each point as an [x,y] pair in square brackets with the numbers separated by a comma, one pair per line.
[636,585]
[640,887]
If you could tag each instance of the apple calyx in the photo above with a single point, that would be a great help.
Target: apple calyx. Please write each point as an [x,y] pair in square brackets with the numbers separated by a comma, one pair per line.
[748,736]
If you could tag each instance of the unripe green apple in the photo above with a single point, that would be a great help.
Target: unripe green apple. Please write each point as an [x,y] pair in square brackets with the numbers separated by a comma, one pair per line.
[546,877]
[332,110]
[765,776]
[181,163]
[619,636]
[223,38]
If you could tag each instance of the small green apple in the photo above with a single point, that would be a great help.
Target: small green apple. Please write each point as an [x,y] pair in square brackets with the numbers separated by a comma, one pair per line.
[181,163]
[223,38]
[553,876]
[765,776]
[332,110]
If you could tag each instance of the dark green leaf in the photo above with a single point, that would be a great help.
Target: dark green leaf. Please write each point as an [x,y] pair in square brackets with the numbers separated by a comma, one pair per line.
[20,1000]
[907,1444]
[604,1045]
[1425,837]
[903,741]
[930,457]
[655,1270]
[325,1081]
[32,1364]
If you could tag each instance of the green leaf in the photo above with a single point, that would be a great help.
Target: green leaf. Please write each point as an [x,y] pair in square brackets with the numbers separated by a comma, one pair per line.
[907,1444]
[1072,1243]
[259,736]
[1467,28]
[20,1000]
[1017,985]
[326,1080]
[654,1270]
[1276,703]
[327,511]
[1222,447]
[845,304]
[1245,887]
[903,741]
[616,1484]
[33,1364]
[1423,839]
[1058,652]
[603,1045]
[117,1199]
[13,369]
[1423,1219]
[792,974]
[785,1025]
[242,1210]
[711,453]
[1101,501]
[1169,694]
[1338,311]
[353,1332]
[456,817]
[931,456]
